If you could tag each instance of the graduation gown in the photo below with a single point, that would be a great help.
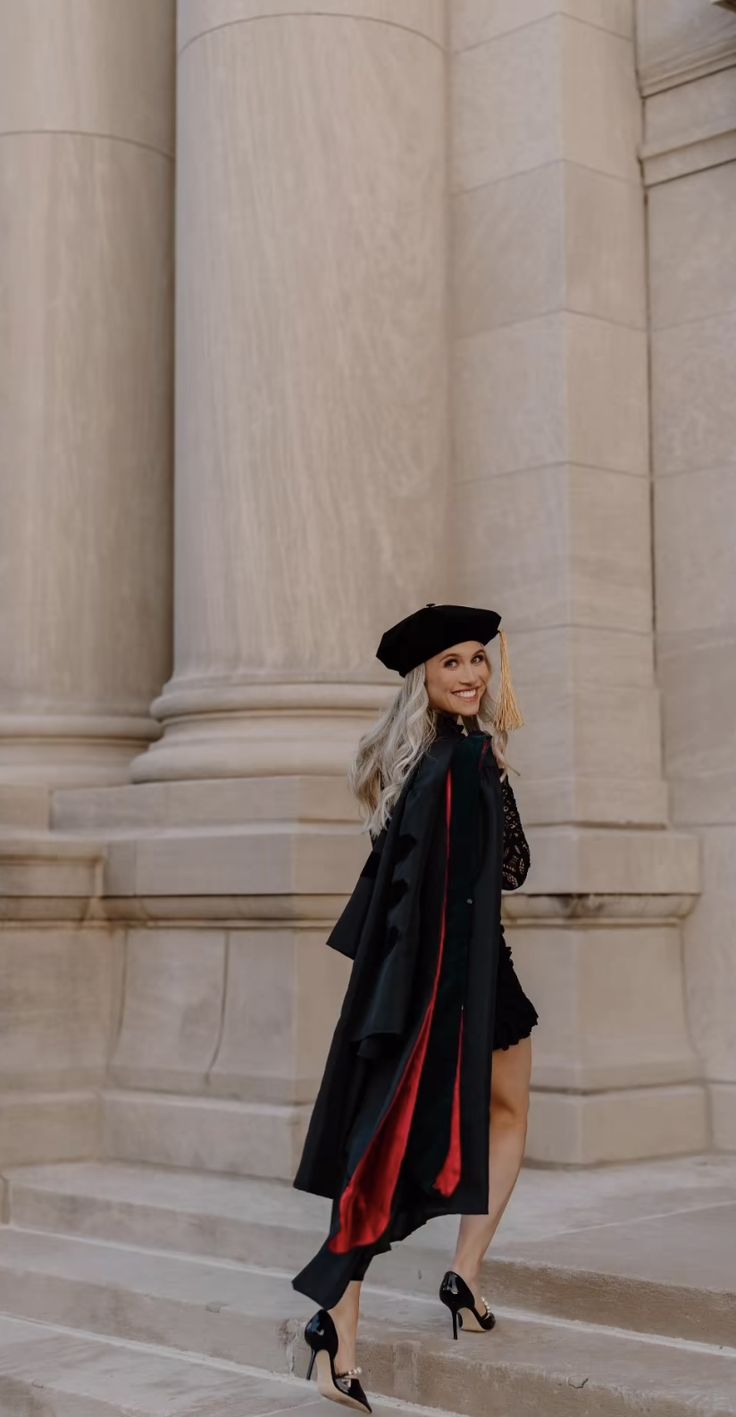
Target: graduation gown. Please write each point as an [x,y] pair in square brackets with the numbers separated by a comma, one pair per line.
[399,1132]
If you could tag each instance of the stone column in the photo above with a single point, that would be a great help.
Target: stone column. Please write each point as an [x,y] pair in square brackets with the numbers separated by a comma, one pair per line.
[551,514]
[688,68]
[311,407]
[86,178]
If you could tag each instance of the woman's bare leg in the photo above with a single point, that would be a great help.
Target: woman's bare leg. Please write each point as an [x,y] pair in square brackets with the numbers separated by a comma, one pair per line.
[510,1075]
[509,1108]
[345,1317]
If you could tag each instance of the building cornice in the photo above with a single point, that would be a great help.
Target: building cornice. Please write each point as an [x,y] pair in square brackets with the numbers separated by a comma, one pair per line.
[687,65]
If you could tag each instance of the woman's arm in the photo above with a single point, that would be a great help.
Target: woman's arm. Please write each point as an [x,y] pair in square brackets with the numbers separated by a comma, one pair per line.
[516,856]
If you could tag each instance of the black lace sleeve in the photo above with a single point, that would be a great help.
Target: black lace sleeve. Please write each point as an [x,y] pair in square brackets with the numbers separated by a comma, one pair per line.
[516,856]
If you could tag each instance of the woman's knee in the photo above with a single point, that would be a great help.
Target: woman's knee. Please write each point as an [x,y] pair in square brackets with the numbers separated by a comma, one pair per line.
[510,1112]
[510,1085]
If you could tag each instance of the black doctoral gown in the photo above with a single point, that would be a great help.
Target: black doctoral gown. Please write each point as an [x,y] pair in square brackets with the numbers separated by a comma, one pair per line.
[400,1127]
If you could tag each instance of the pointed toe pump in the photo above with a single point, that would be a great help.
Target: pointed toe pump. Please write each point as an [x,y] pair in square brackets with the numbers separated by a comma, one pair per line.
[460,1300]
[321,1336]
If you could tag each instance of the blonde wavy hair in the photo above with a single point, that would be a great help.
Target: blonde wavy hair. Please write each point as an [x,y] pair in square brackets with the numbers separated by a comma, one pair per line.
[392,747]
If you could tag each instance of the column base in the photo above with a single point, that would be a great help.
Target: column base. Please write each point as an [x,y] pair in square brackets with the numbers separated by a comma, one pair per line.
[70,750]
[259,730]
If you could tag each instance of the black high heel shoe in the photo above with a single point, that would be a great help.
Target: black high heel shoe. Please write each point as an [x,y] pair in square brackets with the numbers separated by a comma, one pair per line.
[460,1300]
[321,1336]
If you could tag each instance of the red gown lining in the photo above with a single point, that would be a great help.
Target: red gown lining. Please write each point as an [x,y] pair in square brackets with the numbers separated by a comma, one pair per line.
[365,1204]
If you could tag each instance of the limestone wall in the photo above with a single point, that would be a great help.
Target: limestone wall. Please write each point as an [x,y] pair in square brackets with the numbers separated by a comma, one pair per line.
[687,65]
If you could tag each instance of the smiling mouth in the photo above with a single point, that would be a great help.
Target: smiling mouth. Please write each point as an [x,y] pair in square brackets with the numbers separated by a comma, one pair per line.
[465,693]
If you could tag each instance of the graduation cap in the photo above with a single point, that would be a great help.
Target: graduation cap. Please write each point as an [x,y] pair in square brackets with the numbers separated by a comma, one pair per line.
[435,628]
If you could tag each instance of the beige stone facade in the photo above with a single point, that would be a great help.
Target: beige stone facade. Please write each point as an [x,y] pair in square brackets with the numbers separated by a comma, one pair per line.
[312,314]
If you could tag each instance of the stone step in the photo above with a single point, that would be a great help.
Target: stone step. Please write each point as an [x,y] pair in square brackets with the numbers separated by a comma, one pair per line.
[250,1316]
[54,1372]
[650,1247]
[210,1133]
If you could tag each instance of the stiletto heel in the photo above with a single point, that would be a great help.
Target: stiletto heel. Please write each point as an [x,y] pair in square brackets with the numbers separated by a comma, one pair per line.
[321,1336]
[460,1300]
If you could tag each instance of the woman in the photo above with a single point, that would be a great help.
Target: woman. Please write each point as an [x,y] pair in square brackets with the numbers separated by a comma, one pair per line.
[434,1032]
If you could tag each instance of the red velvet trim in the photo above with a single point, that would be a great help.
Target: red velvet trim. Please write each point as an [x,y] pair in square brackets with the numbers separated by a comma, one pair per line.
[365,1204]
[449,1177]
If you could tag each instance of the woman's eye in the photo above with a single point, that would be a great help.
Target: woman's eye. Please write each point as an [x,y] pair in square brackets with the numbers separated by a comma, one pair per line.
[450,663]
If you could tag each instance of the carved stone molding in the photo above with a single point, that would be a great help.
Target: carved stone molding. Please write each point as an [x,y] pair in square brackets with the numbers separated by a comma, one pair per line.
[688,152]
[598,909]
[682,67]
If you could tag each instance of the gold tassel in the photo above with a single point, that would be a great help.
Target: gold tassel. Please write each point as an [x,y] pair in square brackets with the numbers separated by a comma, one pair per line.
[508,714]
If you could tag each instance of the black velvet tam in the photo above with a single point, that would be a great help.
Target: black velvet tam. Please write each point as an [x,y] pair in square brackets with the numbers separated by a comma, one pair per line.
[432,629]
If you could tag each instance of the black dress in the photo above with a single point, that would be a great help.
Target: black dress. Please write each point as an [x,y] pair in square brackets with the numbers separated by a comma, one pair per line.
[394,1140]
[516,1015]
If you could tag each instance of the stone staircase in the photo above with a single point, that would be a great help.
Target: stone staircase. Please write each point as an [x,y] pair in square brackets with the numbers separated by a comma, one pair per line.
[134,1289]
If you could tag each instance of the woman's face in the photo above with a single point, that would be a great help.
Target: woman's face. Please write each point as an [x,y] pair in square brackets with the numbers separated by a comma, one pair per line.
[457,678]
